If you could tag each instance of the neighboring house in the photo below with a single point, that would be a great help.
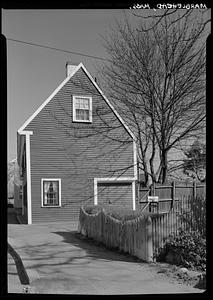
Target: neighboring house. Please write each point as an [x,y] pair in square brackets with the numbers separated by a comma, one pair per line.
[75,149]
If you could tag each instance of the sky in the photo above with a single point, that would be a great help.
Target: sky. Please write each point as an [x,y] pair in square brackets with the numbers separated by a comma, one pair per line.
[33,73]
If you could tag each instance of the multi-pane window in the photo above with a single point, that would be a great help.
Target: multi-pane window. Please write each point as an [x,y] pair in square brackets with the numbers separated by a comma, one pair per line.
[51,192]
[82,109]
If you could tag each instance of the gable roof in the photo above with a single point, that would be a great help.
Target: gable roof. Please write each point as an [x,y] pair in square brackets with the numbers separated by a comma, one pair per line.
[75,69]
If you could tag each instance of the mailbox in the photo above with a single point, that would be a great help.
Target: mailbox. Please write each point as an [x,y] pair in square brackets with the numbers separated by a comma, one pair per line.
[153,199]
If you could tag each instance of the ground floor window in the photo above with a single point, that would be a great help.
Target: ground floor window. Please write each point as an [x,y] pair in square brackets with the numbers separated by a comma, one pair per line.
[51,192]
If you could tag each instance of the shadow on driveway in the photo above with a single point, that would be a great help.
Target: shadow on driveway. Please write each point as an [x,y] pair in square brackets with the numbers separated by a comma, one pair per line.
[95,249]
[67,262]
[66,250]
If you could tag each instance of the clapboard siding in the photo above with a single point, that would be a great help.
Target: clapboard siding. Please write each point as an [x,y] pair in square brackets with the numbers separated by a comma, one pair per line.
[119,194]
[76,152]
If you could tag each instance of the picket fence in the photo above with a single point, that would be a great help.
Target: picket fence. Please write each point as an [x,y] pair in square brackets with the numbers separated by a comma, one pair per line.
[188,214]
[133,236]
[144,236]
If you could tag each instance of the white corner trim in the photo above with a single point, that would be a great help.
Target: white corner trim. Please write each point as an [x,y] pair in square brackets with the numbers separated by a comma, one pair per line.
[95,191]
[133,195]
[131,180]
[28,170]
[48,99]
[135,167]
[59,192]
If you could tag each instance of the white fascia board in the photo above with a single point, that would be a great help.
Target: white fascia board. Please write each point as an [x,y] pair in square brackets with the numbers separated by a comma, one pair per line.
[108,102]
[25,132]
[48,99]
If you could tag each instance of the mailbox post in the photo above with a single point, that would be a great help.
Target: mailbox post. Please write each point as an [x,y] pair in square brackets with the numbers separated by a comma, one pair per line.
[153,203]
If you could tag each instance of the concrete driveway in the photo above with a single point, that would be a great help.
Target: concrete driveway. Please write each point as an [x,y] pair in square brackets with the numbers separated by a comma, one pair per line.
[58,261]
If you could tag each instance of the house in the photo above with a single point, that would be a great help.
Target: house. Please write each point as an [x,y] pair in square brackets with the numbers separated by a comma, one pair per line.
[75,149]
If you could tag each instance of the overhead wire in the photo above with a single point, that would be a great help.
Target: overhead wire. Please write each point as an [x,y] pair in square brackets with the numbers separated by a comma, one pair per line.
[57,49]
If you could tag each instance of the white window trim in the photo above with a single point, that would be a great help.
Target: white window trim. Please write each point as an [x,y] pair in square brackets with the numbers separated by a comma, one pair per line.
[59,192]
[74,111]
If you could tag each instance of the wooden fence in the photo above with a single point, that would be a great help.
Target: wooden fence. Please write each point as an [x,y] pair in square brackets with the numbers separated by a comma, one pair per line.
[180,207]
[188,214]
[145,235]
[169,195]
[132,236]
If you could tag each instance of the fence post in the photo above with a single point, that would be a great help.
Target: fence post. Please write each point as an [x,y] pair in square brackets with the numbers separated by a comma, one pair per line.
[194,190]
[152,193]
[149,246]
[173,194]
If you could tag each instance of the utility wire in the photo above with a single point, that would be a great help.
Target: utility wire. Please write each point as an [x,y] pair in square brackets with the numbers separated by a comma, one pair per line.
[57,49]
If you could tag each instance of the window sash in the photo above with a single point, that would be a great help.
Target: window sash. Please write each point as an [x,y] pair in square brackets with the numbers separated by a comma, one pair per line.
[82,114]
[81,103]
[82,108]
[50,193]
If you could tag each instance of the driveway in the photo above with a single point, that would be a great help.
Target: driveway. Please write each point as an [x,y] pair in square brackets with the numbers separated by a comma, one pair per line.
[58,261]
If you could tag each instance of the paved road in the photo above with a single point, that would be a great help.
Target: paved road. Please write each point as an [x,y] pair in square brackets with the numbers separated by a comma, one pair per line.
[59,262]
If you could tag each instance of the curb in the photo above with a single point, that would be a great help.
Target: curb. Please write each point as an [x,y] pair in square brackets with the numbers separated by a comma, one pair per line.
[23,265]
[23,277]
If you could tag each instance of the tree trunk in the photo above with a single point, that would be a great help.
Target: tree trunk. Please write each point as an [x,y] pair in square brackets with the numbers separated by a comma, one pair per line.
[151,161]
[164,167]
[145,171]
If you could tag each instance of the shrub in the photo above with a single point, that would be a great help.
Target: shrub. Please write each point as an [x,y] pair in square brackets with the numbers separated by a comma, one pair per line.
[93,209]
[195,217]
[188,248]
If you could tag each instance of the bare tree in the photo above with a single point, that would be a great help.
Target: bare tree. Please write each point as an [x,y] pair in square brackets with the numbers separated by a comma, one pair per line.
[177,15]
[195,163]
[156,79]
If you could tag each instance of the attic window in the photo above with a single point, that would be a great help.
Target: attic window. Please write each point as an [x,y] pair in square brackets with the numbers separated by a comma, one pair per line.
[82,109]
